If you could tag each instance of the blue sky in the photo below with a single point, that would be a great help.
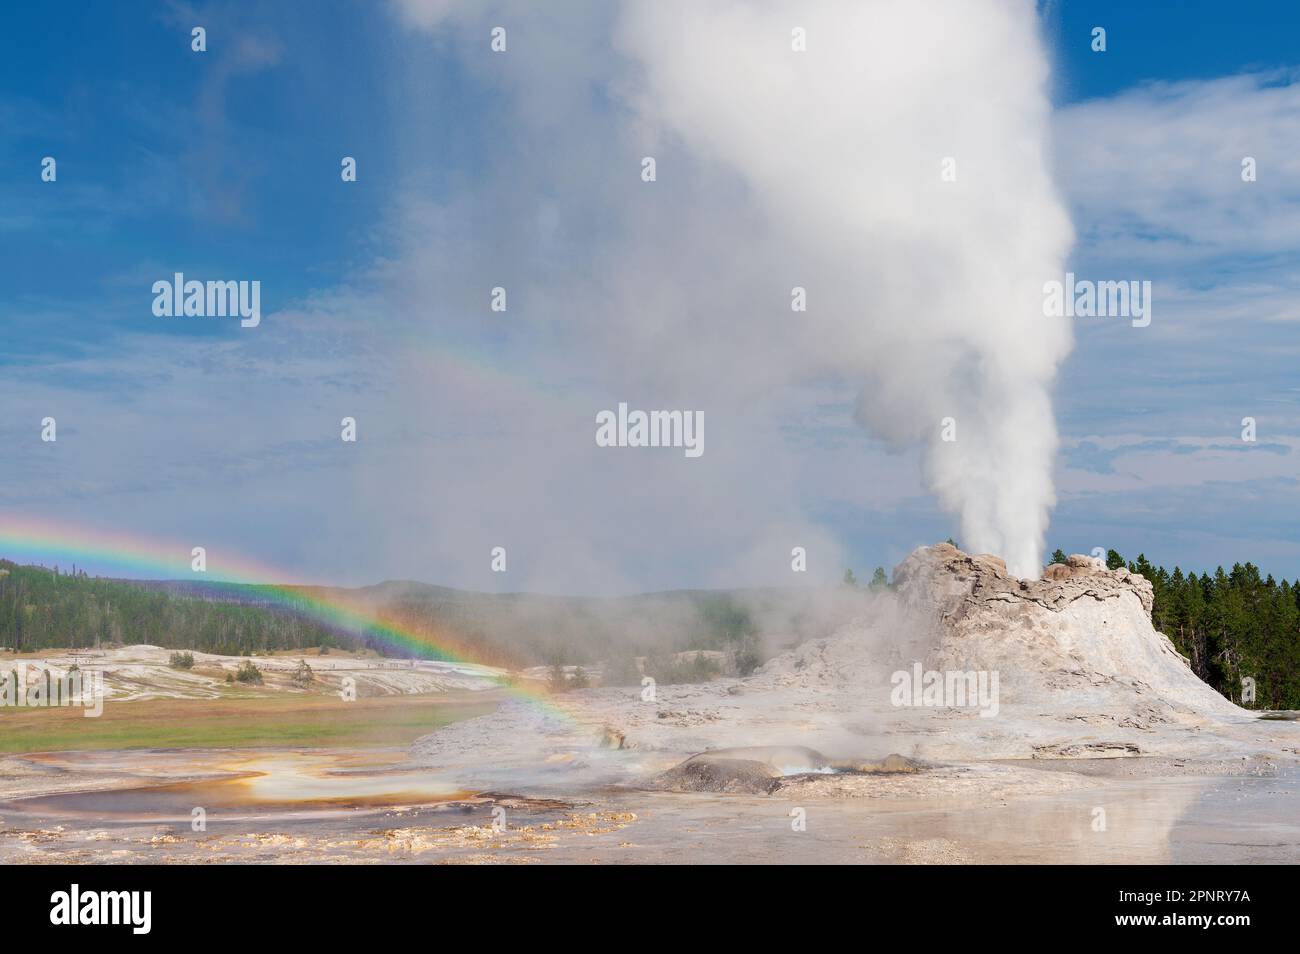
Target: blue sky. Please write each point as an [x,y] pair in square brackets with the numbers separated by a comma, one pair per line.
[1212,361]
[161,174]
[1196,40]
[225,164]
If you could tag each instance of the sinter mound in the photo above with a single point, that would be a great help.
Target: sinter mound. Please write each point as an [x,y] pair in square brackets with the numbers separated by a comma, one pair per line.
[758,770]
[1082,627]
[1080,672]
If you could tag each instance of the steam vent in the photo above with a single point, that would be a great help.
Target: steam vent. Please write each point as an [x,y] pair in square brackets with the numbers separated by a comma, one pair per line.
[1071,665]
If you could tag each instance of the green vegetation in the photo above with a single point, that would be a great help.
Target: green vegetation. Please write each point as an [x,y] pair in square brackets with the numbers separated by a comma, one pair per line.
[45,609]
[238,722]
[181,660]
[703,668]
[41,608]
[748,655]
[879,580]
[556,681]
[621,671]
[248,673]
[1230,625]
[670,669]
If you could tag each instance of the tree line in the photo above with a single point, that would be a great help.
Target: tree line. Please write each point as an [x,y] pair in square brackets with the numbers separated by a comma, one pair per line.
[42,608]
[1231,625]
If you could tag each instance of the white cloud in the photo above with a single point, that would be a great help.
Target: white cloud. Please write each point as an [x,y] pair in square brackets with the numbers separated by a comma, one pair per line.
[1154,174]
[1137,463]
[774,170]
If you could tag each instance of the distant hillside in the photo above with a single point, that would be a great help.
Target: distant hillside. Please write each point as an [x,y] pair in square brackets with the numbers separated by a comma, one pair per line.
[40,608]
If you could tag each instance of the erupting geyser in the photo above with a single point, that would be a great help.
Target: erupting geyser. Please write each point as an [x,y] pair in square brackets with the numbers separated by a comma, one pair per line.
[834,200]
[917,208]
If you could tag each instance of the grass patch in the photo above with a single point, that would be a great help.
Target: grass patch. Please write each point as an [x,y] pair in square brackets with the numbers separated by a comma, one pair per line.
[240,722]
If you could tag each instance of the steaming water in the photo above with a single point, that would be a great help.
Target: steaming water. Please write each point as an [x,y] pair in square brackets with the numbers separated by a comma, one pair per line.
[928,276]
[263,784]
[1246,819]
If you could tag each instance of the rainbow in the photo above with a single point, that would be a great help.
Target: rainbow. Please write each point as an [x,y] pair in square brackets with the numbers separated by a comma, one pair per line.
[114,554]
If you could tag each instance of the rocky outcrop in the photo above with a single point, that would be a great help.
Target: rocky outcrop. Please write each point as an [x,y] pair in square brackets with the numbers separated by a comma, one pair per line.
[945,571]
[761,770]
[1072,666]
[719,775]
[1082,626]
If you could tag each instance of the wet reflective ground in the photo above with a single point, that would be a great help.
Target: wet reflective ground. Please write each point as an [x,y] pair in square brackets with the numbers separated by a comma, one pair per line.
[331,806]
[248,785]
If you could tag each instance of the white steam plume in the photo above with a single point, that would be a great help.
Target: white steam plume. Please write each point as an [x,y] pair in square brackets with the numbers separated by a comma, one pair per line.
[779,168]
[928,291]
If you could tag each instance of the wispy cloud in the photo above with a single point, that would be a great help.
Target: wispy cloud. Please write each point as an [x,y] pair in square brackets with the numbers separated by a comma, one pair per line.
[1155,174]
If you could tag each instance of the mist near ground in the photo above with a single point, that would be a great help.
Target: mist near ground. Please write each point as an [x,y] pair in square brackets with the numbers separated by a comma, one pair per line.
[739,629]
[519,629]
